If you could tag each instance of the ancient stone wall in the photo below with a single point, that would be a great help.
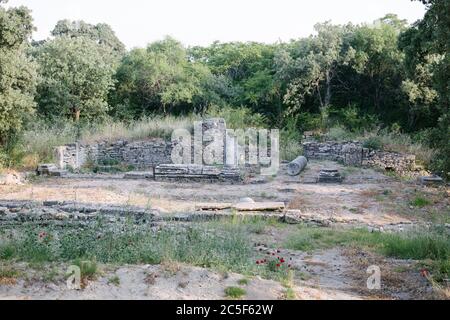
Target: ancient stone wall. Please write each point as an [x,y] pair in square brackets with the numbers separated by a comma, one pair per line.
[353,153]
[139,154]
[211,145]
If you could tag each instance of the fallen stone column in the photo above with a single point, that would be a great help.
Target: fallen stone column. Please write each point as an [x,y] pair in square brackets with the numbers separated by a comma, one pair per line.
[297,166]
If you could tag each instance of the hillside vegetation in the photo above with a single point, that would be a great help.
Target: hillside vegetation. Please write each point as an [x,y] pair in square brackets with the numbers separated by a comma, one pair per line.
[385,82]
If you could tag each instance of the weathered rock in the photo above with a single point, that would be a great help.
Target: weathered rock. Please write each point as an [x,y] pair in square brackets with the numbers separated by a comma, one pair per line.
[10,179]
[45,168]
[329,176]
[246,200]
[260,206]
[354,154]
[213,206]
[57,173]
[50,170]
[297,166]
[136,175]
[196,172]
[431,181]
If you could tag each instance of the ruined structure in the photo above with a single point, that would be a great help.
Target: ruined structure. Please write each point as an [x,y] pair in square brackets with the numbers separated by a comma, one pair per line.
[211,153]
[354,154]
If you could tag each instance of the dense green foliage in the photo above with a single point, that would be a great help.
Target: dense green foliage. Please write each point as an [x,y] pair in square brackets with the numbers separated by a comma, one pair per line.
[386,75]
[17,71]
[75,78]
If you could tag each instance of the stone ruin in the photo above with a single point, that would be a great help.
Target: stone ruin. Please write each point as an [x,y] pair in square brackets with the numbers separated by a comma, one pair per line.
[152,158]
[354,154]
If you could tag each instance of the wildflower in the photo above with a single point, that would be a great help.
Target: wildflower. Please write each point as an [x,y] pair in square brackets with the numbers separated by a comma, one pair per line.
[282,260]
[278,265]
[424,273]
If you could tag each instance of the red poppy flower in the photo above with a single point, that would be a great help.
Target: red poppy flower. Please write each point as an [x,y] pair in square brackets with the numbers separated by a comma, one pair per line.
[282,260]
[278,265]
[424,273]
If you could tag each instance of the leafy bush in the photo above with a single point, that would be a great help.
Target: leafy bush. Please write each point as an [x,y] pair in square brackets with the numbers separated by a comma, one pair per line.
[235,292]
[351,119]
[237,118]
[291,140]
[373,143]
[420,202]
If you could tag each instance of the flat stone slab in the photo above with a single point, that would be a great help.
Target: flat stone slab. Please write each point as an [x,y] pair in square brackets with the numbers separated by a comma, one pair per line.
[329,176]
[196,172]
[57,173]
[136,175]
[260,206]
[431,181]
[213,206]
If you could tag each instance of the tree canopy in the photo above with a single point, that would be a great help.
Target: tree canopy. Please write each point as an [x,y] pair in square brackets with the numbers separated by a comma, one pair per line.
[17,71]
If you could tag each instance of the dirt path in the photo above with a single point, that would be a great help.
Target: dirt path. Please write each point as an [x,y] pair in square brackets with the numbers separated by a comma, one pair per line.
[366,196]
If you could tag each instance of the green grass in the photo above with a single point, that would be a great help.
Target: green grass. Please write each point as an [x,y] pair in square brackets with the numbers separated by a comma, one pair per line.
[7,251]
[115,280]
[290,294]
[50,275]
[408,245]
[424,245]
[36,144]
[88,268]
[234,292]
[211,245]
[7,272]
[243,282]
[420,202]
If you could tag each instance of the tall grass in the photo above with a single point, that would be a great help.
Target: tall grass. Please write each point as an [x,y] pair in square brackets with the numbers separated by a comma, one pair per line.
[205,246]
[37,143]
[420,244]
[424,245]
[147,127]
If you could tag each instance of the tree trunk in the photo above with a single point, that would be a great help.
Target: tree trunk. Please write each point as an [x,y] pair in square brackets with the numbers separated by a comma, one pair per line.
[328,89]
[76,114]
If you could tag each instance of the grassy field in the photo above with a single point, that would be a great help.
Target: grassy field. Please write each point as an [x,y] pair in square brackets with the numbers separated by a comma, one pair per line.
[224,245]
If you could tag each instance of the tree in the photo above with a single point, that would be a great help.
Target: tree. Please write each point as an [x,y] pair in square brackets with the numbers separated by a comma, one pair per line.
[160,78]
[17,71]
[248,71]
[101,33]
[75,78]
[312,65]
[430,37]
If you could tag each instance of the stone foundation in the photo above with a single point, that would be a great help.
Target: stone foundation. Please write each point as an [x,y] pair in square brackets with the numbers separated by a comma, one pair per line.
[354,154]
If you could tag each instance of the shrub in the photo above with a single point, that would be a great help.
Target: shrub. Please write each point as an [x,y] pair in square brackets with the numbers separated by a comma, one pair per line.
[373,143]
[88,268]
[291,140]
[420,202]
[351,119]
[237,118]
[235,292]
